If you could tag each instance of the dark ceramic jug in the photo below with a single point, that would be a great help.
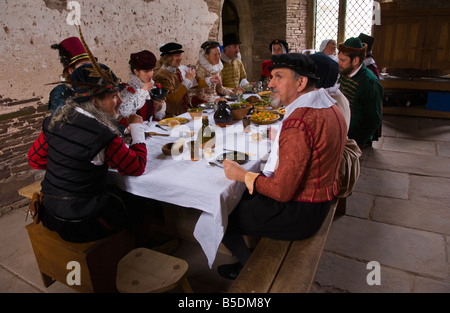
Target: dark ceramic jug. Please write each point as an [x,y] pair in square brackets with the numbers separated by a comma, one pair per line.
[223,117]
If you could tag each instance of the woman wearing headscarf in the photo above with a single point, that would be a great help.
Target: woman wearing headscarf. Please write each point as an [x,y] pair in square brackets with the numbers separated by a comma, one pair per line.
[328,46]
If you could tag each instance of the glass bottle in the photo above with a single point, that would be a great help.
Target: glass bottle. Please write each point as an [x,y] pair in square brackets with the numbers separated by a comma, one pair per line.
[206,136]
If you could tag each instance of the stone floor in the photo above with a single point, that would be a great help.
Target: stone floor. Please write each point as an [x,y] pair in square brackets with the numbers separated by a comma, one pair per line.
[398,216]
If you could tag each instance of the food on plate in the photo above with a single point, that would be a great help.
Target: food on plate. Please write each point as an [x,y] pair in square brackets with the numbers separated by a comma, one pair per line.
[253,99]
[236,156]
[220,99]
[264,116]
[166,121]
[265,93]
[235,106]
[282,111]
[173,123]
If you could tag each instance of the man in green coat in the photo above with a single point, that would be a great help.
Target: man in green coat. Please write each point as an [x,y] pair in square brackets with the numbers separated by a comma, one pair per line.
[363,91]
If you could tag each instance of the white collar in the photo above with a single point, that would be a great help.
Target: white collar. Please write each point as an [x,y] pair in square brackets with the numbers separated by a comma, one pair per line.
[227,59]
[318,99]
[203,61]
[354,73]
[170,68]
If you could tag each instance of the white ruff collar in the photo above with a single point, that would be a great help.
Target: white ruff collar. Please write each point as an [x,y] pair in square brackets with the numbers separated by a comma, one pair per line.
[208,66]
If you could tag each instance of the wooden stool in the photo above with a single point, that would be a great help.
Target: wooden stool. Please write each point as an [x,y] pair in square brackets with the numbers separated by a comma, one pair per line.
[146,271]
[98,259]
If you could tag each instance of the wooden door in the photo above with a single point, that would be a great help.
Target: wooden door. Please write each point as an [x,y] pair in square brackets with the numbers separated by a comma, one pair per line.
[437,44]
[399,41]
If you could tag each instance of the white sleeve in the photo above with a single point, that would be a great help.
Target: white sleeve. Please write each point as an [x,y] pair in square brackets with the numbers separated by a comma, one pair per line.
[137,133]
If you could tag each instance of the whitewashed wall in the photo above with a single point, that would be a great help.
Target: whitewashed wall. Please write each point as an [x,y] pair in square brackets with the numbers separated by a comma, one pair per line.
[112,28]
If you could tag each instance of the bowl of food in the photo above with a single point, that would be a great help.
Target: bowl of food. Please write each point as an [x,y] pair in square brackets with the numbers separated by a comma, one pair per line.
[239,110]
[196,113]
[173,148]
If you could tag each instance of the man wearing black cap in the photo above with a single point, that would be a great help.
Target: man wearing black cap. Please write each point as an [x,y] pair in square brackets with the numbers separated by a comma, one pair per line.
[290,199]
[176,81]
[233,74]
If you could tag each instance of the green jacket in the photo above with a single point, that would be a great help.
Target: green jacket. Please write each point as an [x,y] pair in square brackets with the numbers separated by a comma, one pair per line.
[365,95]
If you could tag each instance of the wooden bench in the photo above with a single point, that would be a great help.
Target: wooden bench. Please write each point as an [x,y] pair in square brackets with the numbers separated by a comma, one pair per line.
[279,266]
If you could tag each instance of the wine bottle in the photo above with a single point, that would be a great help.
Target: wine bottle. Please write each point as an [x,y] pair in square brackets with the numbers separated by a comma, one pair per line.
[206,136]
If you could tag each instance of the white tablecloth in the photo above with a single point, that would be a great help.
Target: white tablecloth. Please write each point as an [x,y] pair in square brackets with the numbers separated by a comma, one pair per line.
[195,184]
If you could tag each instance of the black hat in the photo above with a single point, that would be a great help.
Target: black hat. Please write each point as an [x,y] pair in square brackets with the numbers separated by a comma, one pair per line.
[210,44]
[280,42]
[327,70]
[230,39]
[300,63]
[144,60]
[171,48]
[88,81]
[368,40]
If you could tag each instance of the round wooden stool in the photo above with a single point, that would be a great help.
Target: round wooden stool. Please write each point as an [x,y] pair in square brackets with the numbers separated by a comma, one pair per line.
[146,271]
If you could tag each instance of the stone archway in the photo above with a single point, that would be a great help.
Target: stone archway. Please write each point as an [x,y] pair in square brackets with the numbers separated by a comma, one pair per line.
[245,32]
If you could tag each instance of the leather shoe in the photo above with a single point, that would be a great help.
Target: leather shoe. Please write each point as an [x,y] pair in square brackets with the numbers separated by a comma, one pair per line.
[230,271]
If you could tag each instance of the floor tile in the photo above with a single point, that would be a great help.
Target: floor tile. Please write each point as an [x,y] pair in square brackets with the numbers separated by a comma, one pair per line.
[412,214]
[409,163]
[334,268]
[425,147]
[383,183]
[394,246]
[433,190]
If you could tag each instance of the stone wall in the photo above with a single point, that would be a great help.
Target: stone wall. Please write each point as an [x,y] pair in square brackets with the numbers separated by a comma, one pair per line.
[296,24]
[112,28]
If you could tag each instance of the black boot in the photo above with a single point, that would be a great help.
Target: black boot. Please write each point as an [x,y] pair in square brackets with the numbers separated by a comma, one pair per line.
[230,271]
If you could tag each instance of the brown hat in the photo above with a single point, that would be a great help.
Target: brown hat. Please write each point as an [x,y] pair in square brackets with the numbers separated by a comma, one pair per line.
[144,60]
[353,45]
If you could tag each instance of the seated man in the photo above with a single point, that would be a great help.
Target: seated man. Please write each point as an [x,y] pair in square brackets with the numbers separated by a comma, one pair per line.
[233,72]
[362,89]
[176,81]
[77,145]
[292,197]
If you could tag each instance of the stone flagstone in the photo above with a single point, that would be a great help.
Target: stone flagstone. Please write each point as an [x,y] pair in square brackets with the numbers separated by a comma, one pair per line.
[419,215]
[394,246]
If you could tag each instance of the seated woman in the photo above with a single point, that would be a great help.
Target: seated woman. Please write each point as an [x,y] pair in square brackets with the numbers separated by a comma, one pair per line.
[276,47]
[208,68]
[76,147]
[136,97]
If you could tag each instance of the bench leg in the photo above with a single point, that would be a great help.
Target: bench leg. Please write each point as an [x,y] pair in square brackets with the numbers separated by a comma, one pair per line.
[47,280]
[341,208]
